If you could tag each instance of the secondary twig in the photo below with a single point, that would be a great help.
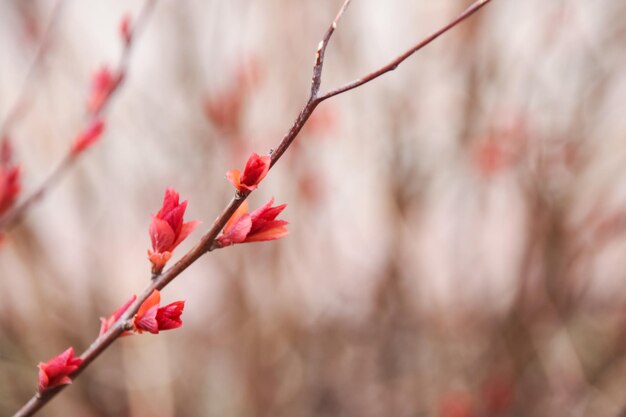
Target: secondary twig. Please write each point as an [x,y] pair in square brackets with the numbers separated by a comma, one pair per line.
[400,59]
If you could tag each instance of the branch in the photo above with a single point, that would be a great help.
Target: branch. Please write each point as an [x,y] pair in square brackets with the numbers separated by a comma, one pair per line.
[208,241]
[15,214]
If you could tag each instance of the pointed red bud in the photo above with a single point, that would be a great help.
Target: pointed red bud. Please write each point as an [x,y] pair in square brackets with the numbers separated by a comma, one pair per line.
[256,169]
[56,371]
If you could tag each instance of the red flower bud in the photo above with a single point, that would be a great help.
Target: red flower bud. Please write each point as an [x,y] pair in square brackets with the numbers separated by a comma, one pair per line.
[145,319]
[56,371]
[258,226]
[264,223]
[151,318]
[256,169]
[168,317]
[167,230]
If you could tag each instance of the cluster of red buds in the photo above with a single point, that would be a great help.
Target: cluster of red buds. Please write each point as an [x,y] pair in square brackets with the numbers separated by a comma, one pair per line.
[261,224]
[151,318]
[167,230]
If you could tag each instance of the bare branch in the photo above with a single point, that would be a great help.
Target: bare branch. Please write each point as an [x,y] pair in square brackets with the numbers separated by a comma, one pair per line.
[400,59]
[321,51]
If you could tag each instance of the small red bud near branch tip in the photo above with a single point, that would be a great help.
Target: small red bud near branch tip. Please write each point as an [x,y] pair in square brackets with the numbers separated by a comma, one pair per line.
[256,169]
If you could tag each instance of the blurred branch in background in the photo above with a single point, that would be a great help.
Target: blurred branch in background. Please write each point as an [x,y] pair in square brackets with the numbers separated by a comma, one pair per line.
[104,85]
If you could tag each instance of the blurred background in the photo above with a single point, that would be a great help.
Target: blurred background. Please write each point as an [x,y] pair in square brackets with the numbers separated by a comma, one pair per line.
[457,227]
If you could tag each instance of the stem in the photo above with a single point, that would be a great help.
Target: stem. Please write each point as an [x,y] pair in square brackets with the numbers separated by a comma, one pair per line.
[207,242]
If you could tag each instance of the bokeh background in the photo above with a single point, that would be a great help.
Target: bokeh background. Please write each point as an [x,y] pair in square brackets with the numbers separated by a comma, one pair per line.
[456,243]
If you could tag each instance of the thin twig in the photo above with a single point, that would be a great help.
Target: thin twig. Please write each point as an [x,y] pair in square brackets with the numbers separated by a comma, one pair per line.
[321,51]
[16,213]
[394,64]
[207,241]
[18,108]
[316,82]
